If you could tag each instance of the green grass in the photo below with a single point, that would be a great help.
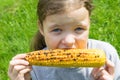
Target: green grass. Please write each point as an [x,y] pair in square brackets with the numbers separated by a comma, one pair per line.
[105,22]
[18,24]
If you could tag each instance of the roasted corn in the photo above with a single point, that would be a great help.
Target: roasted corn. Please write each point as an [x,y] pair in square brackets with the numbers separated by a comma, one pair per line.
[67,58]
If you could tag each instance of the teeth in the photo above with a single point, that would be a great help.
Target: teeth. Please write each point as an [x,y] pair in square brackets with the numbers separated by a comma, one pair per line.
[67,58]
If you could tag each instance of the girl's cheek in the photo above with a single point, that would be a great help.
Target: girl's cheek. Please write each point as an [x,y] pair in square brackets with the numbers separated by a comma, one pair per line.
[52,43]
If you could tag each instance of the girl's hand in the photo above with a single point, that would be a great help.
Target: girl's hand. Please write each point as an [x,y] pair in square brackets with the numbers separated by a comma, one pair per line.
[104,73]
[19,68]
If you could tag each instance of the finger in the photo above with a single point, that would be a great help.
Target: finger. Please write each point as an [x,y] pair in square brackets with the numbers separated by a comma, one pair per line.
[95,71]
[27,76]
[101,73]
[10,69]
[19,62]
[22,73]
[12,62]
[105,77]
[109,67]
[19,56]
[16,62]
[18,68]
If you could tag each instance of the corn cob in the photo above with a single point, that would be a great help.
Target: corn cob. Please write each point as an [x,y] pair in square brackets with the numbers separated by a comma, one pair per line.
[67,58]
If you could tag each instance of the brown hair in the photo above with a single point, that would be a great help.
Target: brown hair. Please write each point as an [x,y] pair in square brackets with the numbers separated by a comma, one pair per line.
[49,7]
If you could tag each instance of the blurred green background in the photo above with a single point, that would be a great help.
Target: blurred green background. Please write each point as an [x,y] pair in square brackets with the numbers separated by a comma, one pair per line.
[18,24]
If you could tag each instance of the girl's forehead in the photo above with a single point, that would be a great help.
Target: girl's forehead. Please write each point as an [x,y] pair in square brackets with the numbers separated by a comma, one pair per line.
[62,6]
[72,5]
[74,16]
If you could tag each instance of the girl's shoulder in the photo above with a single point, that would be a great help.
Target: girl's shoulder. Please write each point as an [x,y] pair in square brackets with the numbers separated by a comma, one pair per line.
[98,44]
[111,52]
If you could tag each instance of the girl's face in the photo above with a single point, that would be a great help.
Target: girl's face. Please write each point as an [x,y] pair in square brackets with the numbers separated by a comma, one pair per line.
[67,30]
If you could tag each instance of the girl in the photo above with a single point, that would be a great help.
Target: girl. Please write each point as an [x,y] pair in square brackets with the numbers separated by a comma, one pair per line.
[65,24]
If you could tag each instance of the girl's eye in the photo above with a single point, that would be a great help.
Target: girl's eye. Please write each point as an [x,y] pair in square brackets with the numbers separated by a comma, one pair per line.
[79,30]
[57,30]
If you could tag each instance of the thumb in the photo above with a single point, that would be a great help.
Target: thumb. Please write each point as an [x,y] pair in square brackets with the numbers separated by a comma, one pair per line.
[27,76]
[109,67]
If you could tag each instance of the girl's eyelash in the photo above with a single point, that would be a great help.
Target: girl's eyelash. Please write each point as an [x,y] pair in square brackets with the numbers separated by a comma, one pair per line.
[56,30]
[78,28]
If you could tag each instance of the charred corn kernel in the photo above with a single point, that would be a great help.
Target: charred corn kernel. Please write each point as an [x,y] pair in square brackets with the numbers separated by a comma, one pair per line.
[67,58]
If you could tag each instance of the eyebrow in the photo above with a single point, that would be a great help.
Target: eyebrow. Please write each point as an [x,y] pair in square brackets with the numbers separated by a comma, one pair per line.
[54,26]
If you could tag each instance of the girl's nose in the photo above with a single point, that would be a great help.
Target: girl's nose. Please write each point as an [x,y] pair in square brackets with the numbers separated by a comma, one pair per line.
[68,40]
